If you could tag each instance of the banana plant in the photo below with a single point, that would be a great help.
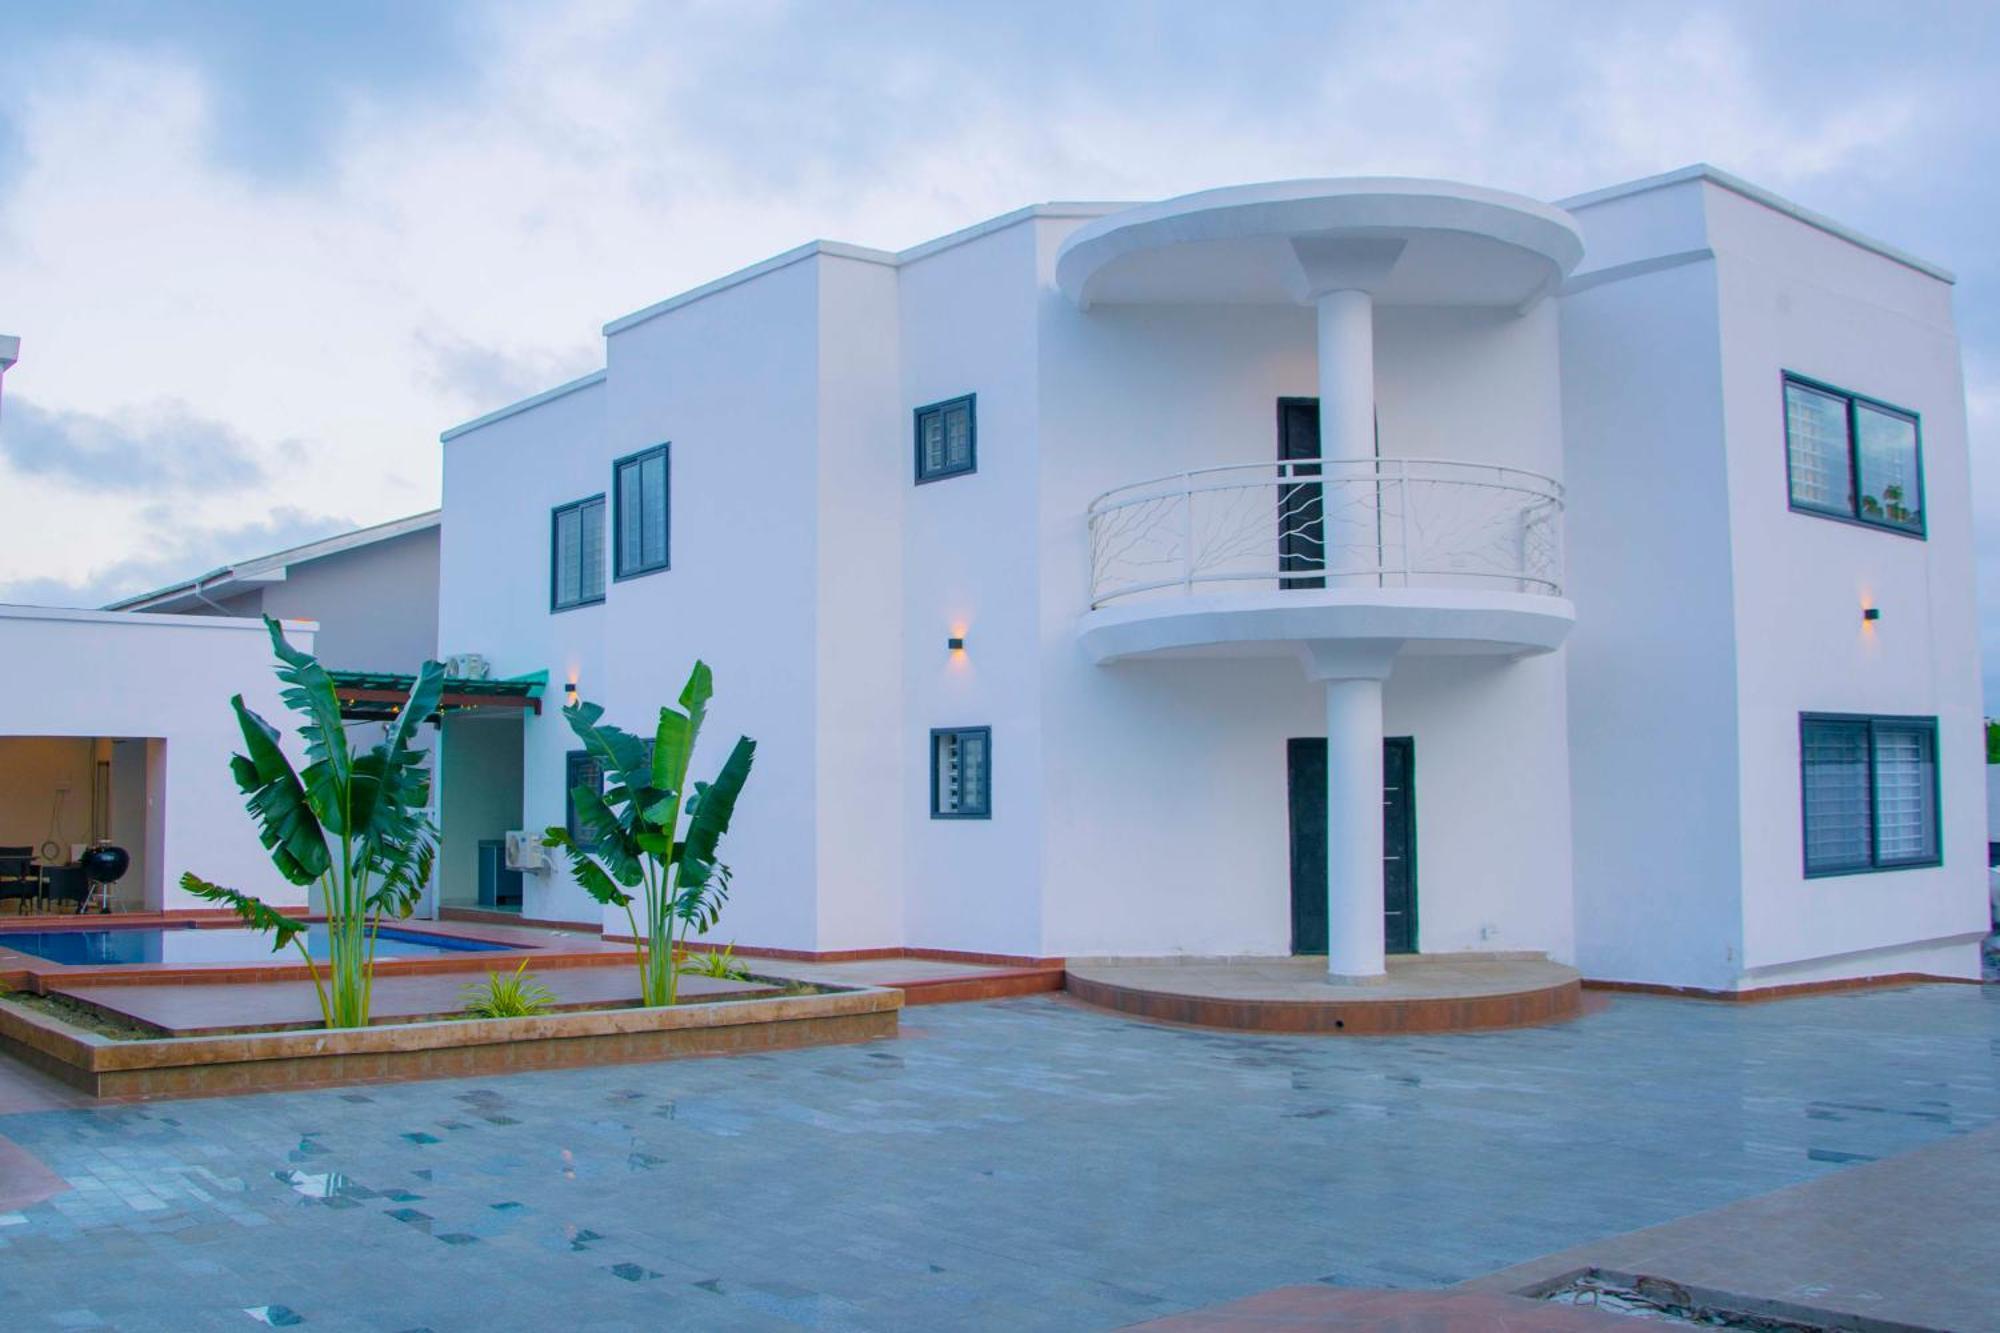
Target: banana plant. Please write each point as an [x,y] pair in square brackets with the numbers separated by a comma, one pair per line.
[633,849]
[353,823]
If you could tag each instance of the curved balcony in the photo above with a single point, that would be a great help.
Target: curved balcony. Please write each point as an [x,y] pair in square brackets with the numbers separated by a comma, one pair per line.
[1428,554]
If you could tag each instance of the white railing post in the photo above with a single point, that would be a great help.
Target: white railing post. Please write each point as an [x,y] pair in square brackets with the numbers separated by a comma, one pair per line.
[1187,532]
[1403,514]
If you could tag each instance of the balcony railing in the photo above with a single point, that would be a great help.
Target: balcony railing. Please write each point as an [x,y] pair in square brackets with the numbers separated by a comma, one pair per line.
[1330,523]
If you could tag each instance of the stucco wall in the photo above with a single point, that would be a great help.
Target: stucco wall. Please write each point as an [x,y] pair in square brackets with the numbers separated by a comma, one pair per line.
[167,678]
[1794,298]
[1652,691]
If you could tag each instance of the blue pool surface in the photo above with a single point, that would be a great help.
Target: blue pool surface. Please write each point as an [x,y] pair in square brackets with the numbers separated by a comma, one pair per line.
[229,944]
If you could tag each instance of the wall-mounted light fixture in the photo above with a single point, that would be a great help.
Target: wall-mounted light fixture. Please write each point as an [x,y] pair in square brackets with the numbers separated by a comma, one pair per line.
[1871,614]
[569,694]
[956,643]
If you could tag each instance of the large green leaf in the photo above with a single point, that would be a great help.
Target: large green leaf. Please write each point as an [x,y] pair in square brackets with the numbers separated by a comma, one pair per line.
[255,912]
[610,840]
[312,693]
[589,874]
[709,813]
[404,868]
[621,754]
[286,822]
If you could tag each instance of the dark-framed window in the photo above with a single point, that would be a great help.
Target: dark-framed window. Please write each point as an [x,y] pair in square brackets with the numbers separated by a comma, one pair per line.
[580,770]
[947,439]
[1853,458]
[962,773]
[576,554]
[641,493]
[1869,792]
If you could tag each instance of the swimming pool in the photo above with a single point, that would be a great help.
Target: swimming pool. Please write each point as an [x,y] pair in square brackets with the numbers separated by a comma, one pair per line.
[227,944]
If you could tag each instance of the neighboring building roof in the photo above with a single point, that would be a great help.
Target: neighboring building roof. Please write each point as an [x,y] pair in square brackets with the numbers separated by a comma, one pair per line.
[1758,194]
[228,580]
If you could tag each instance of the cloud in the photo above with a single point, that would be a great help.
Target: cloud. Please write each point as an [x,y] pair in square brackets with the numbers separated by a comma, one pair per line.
[361,226]
[166,447]
[174,552]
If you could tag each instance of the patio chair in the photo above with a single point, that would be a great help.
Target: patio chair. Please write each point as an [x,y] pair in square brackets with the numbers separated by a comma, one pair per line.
[66,884]
[20,878]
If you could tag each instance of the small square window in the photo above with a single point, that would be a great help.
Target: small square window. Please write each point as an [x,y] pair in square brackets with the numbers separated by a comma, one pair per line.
[1853,458]
[576,554]
[1869,791]
[947,443]
[642,494]
[962,773]
[580,769]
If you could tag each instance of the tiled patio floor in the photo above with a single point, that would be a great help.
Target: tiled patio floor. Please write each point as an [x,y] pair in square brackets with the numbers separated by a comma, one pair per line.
[1024,1164]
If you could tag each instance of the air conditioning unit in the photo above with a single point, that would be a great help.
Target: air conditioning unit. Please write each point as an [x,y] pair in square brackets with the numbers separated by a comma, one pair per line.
[525,851]
[468,666]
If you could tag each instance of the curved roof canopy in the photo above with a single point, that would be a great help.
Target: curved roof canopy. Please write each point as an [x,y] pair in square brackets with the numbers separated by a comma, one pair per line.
[1404,241]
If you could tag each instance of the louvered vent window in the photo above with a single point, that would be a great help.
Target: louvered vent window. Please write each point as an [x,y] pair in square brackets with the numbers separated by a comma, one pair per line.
[576,554]
[1870,793]
[962,773]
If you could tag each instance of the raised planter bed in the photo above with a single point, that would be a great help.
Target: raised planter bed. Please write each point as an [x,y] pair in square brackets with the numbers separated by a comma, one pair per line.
[252,1062]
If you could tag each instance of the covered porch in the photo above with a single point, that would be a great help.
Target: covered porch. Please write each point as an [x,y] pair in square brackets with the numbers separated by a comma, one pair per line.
[1362,544]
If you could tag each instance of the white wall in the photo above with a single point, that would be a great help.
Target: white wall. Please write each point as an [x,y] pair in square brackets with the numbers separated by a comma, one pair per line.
[376,605]
[1794,298]
[859,650]
[500,484]
[1652,691]
[970,563]
[168,679]
[1166,803]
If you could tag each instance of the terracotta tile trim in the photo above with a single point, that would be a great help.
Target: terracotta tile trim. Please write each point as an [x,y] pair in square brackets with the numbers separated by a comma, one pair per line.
[1785,992]
[1360,1017]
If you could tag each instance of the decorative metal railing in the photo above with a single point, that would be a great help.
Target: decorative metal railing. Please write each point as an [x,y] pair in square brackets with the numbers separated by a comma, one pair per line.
[1330,523]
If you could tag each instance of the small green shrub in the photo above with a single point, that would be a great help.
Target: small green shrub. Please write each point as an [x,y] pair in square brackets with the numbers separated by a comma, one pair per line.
[504,995]
[719,963]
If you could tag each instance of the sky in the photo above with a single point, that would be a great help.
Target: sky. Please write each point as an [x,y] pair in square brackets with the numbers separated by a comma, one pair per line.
[259,254]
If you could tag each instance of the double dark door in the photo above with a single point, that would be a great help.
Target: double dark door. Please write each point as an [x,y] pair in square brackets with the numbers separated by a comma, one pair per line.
[1305,758]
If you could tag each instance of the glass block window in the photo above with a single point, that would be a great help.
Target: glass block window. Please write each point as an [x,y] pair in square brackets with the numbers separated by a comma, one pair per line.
[1851,457]
[642,491]
[946,439]
[962,773]
[1869,792]
[576,554]
[580,770]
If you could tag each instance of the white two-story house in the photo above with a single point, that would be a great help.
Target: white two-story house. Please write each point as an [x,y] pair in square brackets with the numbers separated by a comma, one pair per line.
[1355,567]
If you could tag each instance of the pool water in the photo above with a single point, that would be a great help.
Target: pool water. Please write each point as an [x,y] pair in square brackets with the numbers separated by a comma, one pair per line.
[228,944]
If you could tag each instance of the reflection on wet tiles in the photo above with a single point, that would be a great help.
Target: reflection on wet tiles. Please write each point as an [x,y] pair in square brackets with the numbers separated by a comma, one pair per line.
[1829,1155]
[1026,1156]
[418,1136]
[277,1316]
[633,1272]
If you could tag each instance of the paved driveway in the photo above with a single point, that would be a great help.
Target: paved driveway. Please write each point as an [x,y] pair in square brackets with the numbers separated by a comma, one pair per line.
[1026,1163]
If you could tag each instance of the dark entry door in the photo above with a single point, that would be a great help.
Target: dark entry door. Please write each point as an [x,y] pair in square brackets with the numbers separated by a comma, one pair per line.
[1305,759]
[1301,507]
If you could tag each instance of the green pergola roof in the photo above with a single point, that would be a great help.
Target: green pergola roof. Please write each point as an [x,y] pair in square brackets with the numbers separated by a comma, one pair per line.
[376,696]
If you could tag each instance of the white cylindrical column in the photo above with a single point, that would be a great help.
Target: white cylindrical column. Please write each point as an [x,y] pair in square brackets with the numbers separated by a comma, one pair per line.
[1346,374]
[1354,830]
[1349,525]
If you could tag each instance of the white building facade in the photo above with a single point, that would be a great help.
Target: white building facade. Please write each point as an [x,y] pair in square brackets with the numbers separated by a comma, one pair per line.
[1347,567]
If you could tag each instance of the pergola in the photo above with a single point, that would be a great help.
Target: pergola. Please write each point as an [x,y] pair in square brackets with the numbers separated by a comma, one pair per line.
[377,696]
